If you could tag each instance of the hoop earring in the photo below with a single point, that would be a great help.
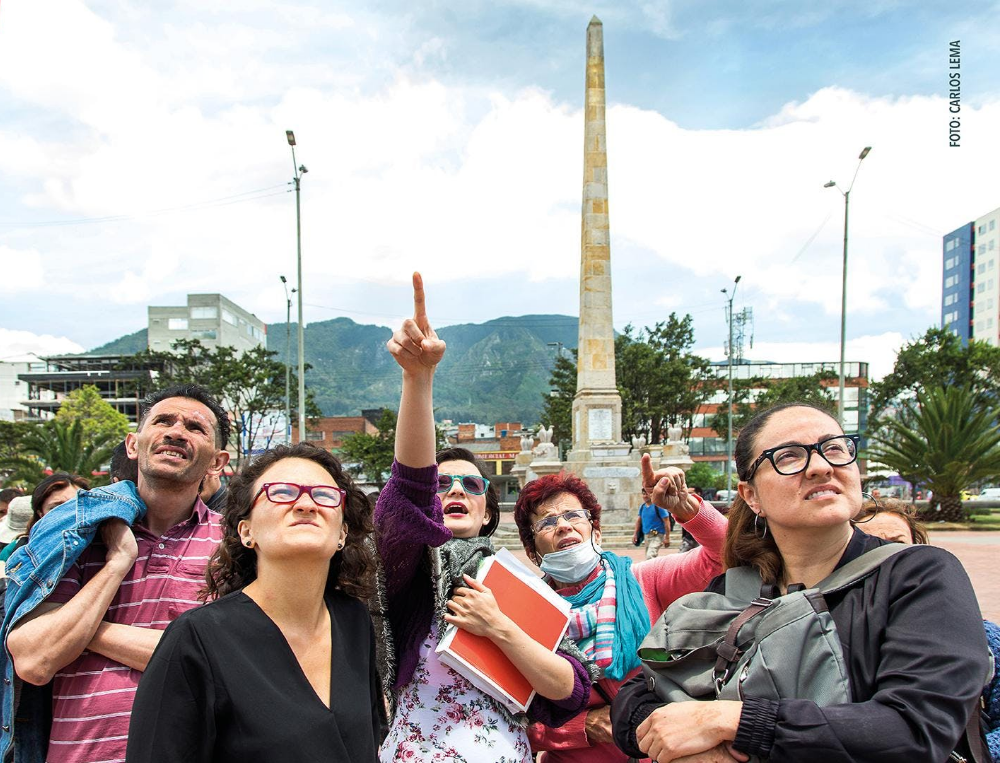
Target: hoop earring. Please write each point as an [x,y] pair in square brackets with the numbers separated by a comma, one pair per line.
[878,508]
[756,527]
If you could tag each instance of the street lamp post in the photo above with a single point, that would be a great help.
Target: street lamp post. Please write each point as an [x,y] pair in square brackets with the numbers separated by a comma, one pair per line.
[729,405]
[288,361]
[299,170]
[843,286]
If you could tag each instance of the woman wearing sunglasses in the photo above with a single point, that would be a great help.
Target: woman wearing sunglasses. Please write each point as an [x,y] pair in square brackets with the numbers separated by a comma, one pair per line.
[434,523]
[280,664]
[912,639]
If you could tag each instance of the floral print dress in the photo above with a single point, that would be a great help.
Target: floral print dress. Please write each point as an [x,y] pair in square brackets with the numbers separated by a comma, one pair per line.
[440,716]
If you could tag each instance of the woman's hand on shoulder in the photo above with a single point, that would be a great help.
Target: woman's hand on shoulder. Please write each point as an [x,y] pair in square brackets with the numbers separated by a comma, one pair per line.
[681,729]
[415,345]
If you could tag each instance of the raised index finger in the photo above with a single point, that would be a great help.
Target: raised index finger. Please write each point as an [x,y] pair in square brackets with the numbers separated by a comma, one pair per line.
[646,467]
[419,308]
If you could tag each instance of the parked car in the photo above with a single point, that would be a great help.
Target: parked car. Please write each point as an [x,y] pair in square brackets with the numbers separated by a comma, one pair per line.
[726,495]
[989,494]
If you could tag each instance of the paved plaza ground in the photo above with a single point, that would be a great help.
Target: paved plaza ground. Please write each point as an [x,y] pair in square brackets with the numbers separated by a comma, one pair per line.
[979,552]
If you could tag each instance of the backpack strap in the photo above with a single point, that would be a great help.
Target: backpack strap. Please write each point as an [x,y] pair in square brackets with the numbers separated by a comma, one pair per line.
[859,568]
[743,583]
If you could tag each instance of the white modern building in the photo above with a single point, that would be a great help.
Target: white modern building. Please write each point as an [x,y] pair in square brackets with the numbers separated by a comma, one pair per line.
[970,295]
[13,390]
[210,318]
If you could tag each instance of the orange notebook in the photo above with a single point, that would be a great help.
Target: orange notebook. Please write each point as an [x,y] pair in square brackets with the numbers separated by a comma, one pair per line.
[523,597]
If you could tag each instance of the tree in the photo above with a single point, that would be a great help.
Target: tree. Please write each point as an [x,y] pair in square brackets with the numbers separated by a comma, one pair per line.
[97,417]
[371,455]
[250,386]
[947,441]
[704,476]
[557,405]
[60,446]
[937,359]
[12,471]
[661,382]
[797,389]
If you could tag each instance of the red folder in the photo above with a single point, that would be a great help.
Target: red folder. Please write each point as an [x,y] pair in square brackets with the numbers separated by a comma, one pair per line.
[525,599]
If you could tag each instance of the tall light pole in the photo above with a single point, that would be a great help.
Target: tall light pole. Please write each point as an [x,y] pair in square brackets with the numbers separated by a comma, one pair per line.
[288,361]
[729,354]
[300,170]
[843,286]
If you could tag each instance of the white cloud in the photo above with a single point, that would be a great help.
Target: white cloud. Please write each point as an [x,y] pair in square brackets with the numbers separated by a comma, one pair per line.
[22,271]
[455,180]
[15,344]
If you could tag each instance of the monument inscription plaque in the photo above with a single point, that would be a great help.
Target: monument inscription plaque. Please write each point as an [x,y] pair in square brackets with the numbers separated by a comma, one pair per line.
[599,424]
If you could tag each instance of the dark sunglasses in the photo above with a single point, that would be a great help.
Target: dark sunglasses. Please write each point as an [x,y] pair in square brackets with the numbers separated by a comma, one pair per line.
[473,484]
[288,492]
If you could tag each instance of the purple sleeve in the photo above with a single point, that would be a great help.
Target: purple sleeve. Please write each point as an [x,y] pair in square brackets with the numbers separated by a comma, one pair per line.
[408,519]
[554,713]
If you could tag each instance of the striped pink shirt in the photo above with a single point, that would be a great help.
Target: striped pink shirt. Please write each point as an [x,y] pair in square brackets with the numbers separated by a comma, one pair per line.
[92,696]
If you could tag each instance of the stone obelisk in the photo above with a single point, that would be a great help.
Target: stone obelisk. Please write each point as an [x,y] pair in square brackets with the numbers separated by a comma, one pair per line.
[598,454]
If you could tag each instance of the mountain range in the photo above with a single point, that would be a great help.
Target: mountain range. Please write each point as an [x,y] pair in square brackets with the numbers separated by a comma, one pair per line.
[493,371]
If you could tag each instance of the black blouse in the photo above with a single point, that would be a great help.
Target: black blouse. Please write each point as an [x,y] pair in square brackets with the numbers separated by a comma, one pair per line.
[916,654]
[224,685]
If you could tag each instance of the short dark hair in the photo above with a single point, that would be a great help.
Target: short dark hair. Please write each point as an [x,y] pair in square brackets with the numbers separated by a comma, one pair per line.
[537,492]
[48,486]
[123,467]
[8,494]
[234,566]
[193,392]
[492,500]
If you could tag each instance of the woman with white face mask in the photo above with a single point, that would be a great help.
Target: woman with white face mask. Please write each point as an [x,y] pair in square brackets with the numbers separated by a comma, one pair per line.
[433,524]
[614,603]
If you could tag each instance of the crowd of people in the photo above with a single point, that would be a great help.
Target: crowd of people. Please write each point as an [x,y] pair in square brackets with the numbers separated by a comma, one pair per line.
[167,617]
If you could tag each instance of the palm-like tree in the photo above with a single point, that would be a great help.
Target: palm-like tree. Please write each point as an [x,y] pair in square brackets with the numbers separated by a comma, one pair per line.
[948,440]
[60,446]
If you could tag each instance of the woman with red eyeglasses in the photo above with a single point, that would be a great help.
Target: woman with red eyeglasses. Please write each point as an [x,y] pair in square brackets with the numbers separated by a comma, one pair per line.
[434,521]
[280,664]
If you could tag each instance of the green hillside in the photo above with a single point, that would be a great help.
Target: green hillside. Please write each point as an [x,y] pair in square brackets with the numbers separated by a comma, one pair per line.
[123,345]
[493,371]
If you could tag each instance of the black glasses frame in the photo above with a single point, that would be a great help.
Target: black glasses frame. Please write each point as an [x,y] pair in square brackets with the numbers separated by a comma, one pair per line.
[264,489]
[816,447]
[462,478]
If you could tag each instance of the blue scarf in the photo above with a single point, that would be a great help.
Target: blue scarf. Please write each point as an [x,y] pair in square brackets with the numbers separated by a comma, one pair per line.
[631,620]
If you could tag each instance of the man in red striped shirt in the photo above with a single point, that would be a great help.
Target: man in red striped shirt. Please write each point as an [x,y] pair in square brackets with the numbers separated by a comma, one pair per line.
[95,633]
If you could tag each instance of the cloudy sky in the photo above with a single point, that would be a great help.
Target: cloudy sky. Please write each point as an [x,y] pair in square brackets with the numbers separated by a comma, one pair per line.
[143,157]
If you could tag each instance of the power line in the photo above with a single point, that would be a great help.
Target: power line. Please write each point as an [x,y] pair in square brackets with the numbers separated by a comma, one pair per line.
[222,201]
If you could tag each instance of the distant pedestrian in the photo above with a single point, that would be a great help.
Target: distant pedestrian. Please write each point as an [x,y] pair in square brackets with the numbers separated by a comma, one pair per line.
[6,496]
[652,524]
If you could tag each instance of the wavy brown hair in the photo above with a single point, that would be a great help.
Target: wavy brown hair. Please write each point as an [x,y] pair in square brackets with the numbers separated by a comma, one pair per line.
[894,506]
[743,545]
[234,566]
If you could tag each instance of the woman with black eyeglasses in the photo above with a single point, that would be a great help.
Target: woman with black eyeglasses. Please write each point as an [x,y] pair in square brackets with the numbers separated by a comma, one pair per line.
[910,631]
[280,664]
[434,521]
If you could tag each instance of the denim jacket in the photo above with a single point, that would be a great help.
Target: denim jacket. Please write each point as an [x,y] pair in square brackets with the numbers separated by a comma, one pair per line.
[33,571]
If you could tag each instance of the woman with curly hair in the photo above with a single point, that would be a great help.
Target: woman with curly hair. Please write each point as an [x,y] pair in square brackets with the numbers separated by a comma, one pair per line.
[280,664]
